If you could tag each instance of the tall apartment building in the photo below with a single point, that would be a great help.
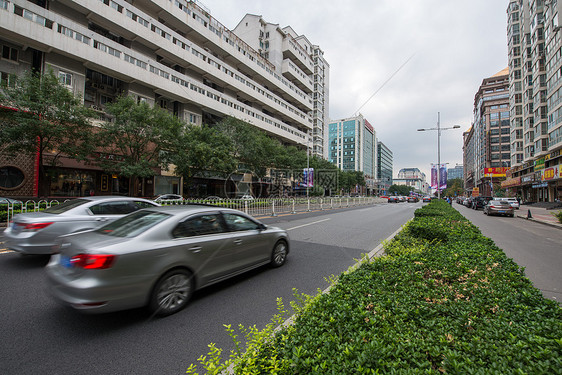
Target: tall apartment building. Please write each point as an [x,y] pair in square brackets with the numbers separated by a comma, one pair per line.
[299,61]
[170,53]
[490,134]
[352,146]
[538,176]
[469,160]
[384,168]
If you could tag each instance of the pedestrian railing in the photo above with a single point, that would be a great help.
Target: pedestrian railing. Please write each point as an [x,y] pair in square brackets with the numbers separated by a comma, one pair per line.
[254,207]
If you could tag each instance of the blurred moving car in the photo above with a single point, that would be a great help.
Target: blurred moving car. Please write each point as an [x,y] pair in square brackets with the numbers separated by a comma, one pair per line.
[426,199]
[158,257]
[497,207]
[35,232]
[393,199]
[413,199]
[168,197]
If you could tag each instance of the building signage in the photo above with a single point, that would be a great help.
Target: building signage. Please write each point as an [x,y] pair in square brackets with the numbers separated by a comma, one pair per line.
[552,155]
[475,192]
[552,173]
[539,164]
[495,172]
[516,181]
[544,184]
[528,179]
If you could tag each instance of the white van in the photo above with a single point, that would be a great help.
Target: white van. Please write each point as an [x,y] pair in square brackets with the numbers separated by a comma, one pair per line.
[512,201]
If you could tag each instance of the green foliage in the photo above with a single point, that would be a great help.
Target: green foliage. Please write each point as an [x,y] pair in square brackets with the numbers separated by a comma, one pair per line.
[138,137]
[400,190]
[46,119]
[444,299]
[454,188]
[558,215]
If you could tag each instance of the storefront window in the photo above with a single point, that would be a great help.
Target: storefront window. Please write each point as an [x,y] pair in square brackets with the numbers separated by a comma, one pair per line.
[11,177]
[72,183]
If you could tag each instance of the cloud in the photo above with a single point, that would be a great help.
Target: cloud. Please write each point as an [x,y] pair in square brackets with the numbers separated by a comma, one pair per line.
[455,45]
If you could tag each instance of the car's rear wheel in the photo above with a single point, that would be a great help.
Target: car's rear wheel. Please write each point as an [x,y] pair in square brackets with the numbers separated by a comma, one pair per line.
[279,254]
[172,292]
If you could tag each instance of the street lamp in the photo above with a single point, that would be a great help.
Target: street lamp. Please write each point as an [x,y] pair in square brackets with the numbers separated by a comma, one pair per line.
[439,129]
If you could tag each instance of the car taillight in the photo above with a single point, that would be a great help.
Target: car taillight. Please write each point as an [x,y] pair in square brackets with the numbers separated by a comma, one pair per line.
[92,261]
[31,227]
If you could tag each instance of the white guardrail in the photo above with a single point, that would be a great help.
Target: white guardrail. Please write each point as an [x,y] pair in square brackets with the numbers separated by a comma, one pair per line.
[254,207]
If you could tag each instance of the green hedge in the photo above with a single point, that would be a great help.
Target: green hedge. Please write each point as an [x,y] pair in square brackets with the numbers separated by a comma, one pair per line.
[444,299]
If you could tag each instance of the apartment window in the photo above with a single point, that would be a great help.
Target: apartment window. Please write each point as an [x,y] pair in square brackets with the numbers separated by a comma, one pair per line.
[9,53]
[7,79]
[65,78]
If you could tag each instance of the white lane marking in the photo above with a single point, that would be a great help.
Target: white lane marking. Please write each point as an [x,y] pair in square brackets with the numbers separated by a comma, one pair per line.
[305,225]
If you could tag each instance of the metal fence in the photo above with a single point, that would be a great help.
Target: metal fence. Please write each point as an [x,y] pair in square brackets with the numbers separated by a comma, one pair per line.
[254,207]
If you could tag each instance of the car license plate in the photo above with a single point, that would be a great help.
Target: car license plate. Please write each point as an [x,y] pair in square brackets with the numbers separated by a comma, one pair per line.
[501,212]
[65,261]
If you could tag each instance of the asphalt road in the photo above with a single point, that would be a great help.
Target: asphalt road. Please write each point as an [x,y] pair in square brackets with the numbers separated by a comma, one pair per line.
[40,336]
[535,246]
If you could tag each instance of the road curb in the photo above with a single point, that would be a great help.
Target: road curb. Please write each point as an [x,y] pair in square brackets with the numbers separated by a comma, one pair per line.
[553,225]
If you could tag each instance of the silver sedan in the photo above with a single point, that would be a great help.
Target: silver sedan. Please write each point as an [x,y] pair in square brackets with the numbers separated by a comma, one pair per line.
[158,257]
[36,232]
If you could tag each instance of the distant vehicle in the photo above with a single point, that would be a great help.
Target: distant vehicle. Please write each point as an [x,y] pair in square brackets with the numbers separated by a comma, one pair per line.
[401,198]
[426,199]
[214,198]
[497,207]
[413,199]
[36,232]
[393,199]
[159,256]
[247,197]
[168,197]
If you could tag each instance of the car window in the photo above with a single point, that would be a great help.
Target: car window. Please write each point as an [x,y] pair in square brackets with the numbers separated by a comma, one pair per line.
[238,223]
[114,208]
[134,224]
[143,204]
[65,206]
[198,226]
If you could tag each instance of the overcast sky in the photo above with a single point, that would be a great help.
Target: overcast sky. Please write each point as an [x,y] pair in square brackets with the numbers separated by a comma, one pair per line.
[453,45]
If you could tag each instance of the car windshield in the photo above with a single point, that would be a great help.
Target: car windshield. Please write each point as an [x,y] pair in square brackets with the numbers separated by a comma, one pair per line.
[499,203]
[65,206]
[134,224]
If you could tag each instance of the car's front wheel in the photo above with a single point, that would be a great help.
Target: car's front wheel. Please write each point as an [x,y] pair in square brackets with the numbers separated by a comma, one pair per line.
[172,292]
[279,254]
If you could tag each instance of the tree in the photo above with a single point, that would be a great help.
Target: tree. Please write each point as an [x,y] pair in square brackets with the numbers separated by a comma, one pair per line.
[137,142]
[400,190]
[200,149]
[454,187]
[45,119]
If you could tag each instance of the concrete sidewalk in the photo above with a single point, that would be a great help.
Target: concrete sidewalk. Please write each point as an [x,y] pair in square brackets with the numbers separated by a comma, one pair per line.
[539,215]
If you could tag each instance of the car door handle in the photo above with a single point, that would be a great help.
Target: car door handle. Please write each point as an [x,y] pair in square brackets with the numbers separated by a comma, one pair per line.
[102,219]
[237,242]
[195,249]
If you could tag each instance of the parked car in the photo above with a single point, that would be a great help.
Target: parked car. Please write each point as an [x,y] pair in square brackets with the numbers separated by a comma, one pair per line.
[412,199]
[35,232]
[393,199]
[480,202]
[168,197]
[158,257]
[426,199]
[497,207]
[468,202]
[512,201]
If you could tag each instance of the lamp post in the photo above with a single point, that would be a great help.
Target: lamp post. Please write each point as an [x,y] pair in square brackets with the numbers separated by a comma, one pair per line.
[439,129]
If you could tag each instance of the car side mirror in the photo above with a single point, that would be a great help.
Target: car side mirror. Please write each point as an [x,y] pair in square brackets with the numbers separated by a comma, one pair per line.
[262,226]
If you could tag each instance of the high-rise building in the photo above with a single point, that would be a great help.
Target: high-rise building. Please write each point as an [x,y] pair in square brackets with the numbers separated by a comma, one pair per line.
[456,172]
[384,168]
[490,134]
[299,61]
[352,146]
[173,54]
[537,177]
